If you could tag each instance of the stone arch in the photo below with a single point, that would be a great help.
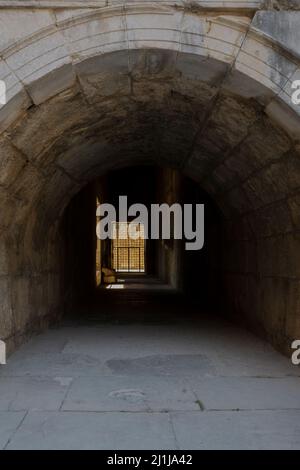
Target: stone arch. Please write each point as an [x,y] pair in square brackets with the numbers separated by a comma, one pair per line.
[99,89]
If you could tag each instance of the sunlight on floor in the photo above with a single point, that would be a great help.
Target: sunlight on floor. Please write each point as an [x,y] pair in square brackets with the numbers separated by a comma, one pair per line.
[115,286]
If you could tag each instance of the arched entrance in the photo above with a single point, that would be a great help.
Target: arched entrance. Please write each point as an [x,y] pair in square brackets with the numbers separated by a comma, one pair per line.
[100,90]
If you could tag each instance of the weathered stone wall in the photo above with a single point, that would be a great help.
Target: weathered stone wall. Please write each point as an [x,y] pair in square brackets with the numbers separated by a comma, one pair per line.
[206,83]
[260,198]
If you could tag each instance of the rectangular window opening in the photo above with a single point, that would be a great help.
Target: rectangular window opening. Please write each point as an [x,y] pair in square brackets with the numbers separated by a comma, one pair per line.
[128,253]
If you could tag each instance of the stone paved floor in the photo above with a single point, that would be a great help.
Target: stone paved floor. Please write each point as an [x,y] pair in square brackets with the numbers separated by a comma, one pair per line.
[167,382]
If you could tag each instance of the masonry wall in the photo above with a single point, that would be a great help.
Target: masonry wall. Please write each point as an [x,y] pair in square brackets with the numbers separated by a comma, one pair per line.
[31,289]
[262,269]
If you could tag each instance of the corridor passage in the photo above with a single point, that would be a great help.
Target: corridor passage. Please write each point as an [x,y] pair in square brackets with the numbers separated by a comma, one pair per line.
[155,375]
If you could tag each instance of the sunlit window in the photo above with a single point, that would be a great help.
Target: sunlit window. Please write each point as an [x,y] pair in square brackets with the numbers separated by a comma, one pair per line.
[128,247]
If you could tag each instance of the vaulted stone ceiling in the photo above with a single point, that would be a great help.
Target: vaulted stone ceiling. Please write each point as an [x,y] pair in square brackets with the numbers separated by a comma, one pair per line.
[154,114]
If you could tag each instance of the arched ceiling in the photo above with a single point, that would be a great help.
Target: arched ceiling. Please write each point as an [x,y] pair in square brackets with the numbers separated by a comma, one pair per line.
[144,83]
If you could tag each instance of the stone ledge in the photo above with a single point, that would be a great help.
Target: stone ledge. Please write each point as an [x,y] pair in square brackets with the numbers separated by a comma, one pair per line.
[195,5]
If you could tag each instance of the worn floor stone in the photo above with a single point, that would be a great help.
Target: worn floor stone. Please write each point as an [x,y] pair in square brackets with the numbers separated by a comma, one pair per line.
[42,430]
[176,364]
[256,430]
[9,422]
[132,393]
[125,386]
[32,393]
[54,365]
[247,393]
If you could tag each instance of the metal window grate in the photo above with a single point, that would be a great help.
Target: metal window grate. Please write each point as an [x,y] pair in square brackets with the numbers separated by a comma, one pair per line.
[128,253]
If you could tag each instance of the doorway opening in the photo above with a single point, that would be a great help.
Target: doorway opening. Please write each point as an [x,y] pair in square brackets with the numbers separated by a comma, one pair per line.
[149,264]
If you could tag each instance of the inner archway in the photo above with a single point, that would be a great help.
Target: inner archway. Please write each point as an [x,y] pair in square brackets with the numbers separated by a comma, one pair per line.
[89,261]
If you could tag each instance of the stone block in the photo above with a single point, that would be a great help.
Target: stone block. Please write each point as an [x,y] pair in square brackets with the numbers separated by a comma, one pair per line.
[6,319]
[292,321]
[11,163]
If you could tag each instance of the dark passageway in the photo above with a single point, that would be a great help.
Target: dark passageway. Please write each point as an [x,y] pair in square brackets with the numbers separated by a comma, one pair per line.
[194,274]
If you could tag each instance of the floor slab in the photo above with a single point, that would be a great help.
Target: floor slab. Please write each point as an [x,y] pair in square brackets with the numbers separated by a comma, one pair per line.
[36,364]
[238,430]
[130,394]
[247,393]
[32,393]
[118,431]
[9,422]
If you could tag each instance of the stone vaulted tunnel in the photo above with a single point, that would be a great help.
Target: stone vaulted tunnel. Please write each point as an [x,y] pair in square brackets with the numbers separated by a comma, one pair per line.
[207,93]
